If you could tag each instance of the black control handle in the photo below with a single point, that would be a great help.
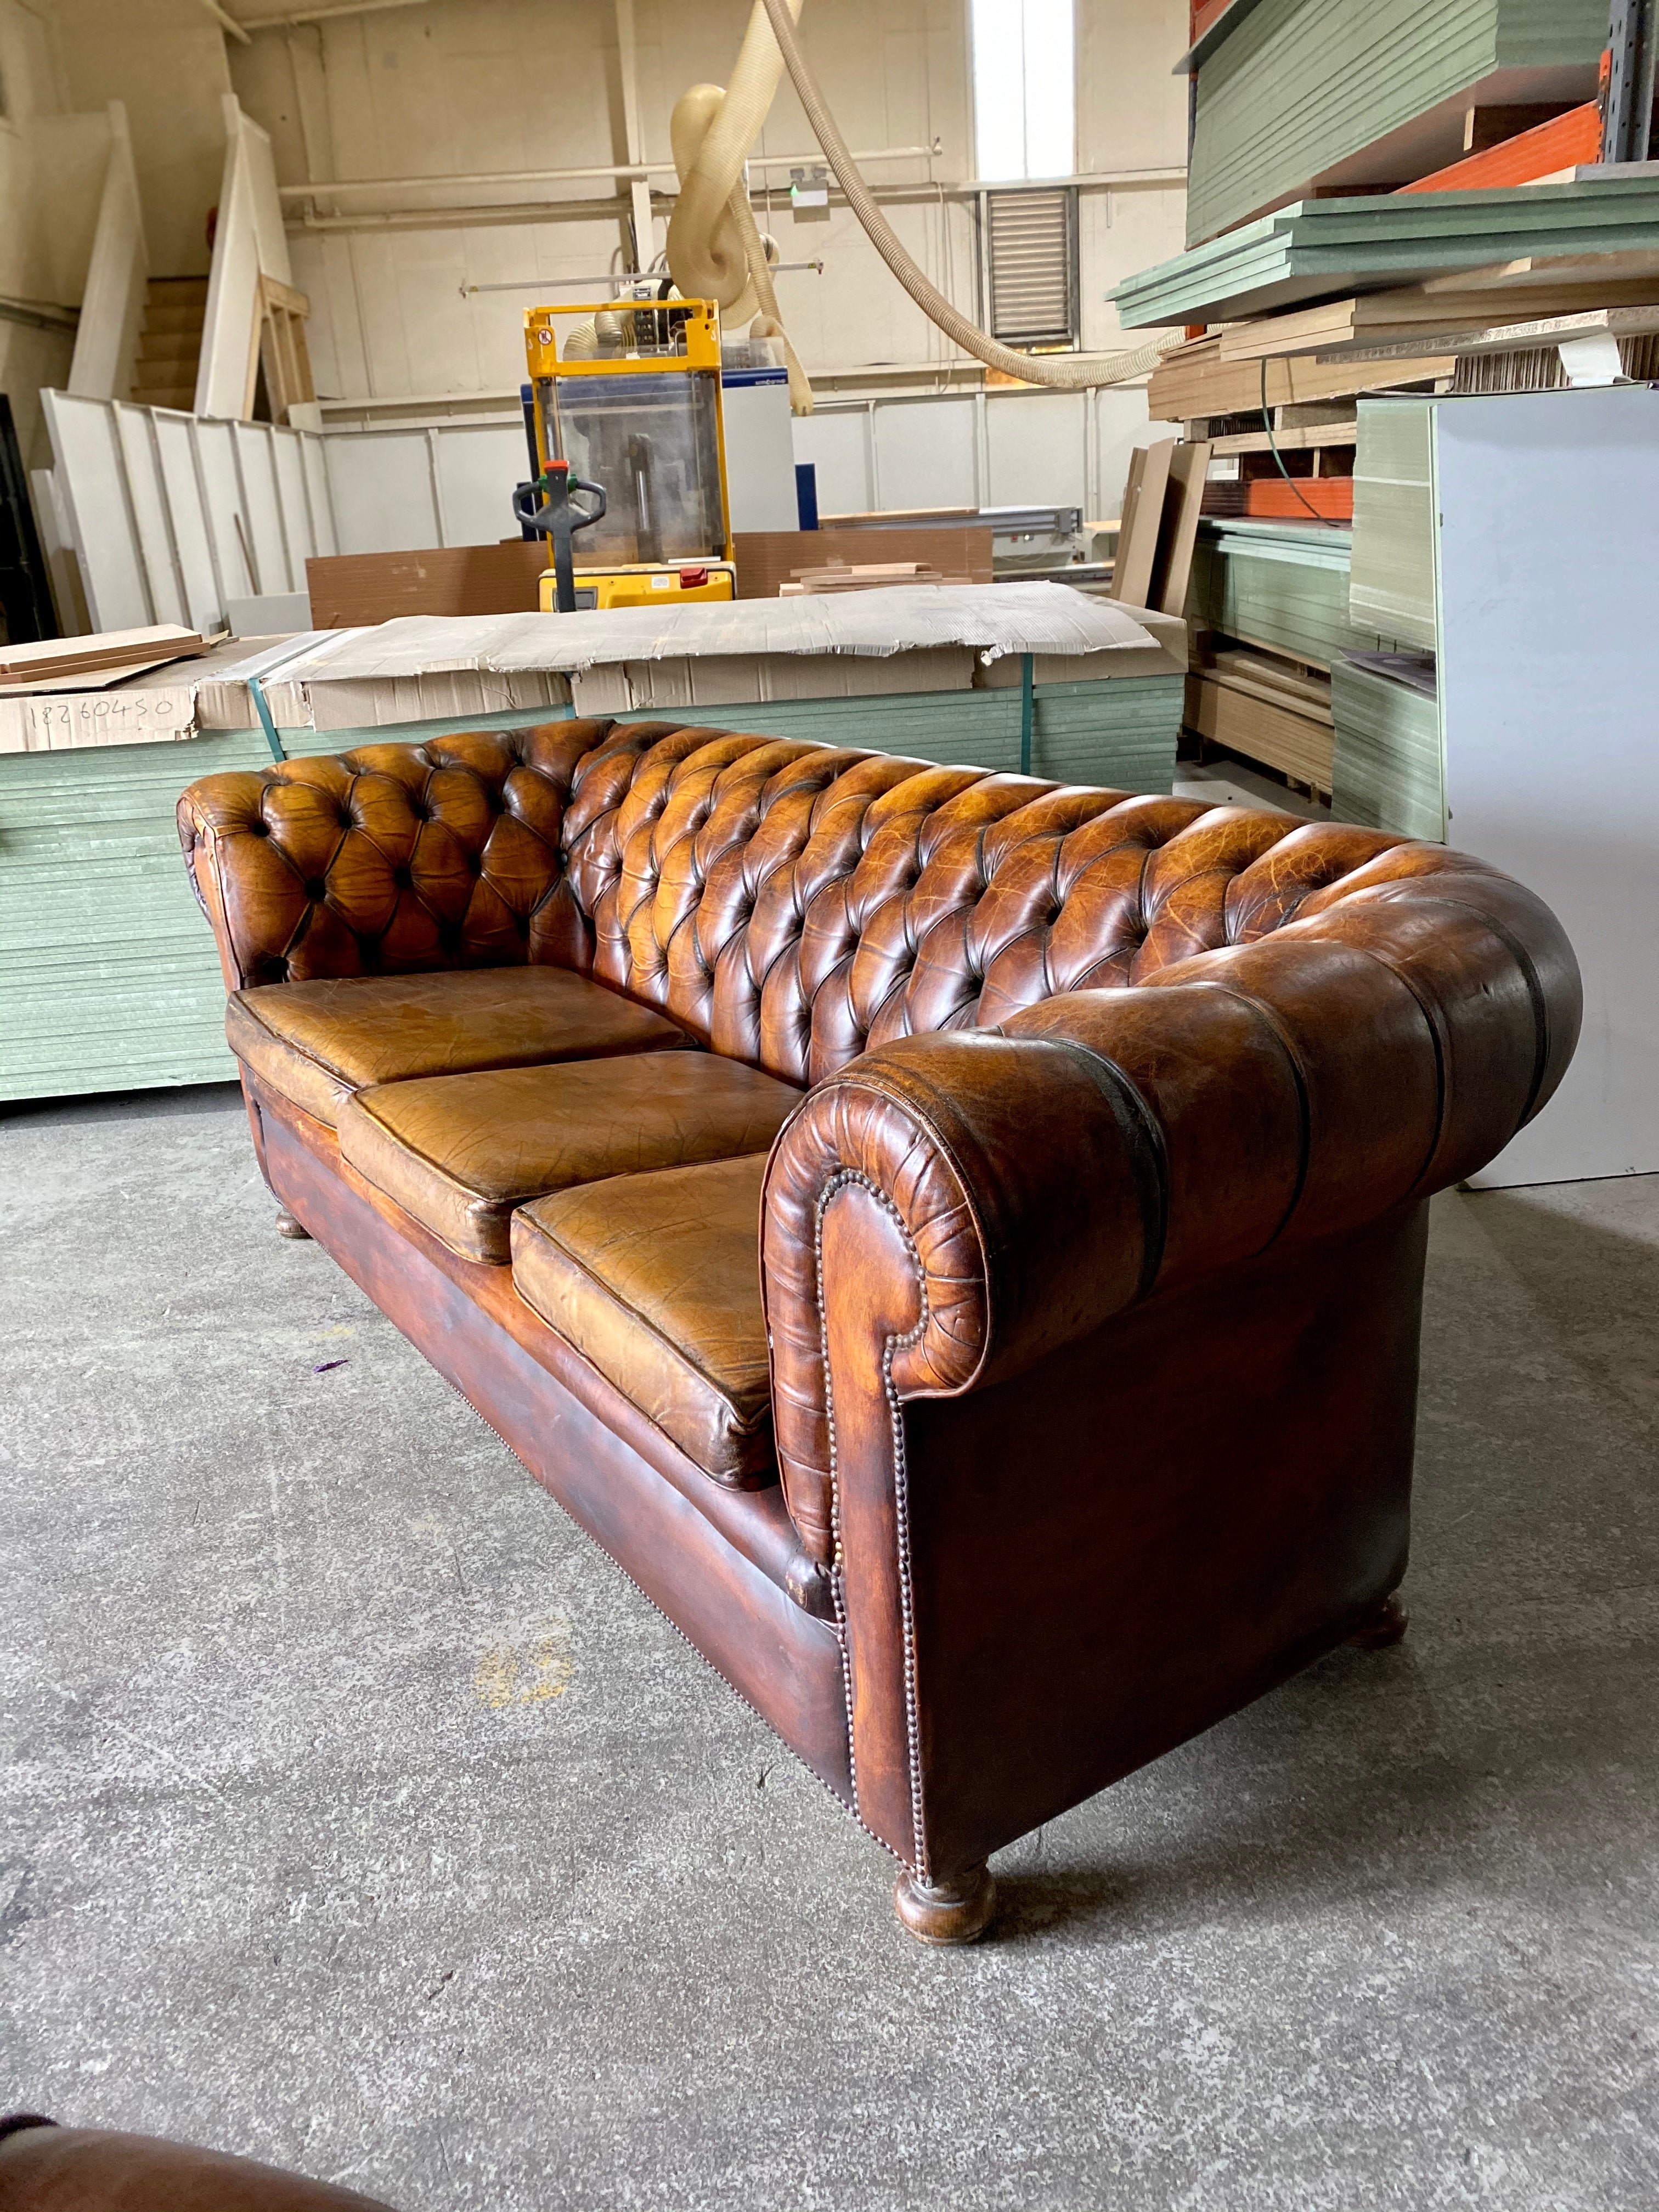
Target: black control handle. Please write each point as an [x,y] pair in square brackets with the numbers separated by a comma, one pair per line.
[558,516]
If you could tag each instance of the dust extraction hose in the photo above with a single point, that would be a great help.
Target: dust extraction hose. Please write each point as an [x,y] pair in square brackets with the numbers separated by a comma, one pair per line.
[714,248]
[1069,374]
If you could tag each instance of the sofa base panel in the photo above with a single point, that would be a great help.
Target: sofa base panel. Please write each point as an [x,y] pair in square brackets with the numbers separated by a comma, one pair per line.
[781,1660]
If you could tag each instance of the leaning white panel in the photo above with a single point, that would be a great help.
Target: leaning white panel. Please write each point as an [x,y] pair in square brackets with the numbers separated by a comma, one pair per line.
[192,537]
[262,508]
[315,461]
[92,482]
[215,445]
[1548,547]
[290,460]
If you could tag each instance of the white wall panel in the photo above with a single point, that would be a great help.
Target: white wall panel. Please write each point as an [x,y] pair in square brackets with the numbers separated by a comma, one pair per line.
[319,504]
[477,469]
[164,509]
[87,450]
[192,535]
[1546,557]
[290,467]
[838,443]
[925,452]
[1035,444]
[381,480]
[261,508]
[221,483]
[149,513]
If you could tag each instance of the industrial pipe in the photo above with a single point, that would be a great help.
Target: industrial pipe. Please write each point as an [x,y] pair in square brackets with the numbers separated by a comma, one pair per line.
[714,248]
[1069,374]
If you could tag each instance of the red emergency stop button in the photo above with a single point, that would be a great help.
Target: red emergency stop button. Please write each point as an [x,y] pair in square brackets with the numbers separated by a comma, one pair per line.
[690,578]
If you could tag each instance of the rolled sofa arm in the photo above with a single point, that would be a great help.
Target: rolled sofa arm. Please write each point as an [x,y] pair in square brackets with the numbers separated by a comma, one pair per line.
[1106,1144]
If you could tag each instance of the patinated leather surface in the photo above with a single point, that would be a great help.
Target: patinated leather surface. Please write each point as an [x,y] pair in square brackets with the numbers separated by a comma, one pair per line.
[461,1152]
[396,858]
[317,1041]
[1090,1261]
[1380,1045]
[1342,1021]
[50,2169]
[789,903]
[655,1279]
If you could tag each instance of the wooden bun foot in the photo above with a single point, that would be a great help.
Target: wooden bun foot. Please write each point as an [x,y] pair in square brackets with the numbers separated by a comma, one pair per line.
[958,1911]
[1386,1626]
[287,1226]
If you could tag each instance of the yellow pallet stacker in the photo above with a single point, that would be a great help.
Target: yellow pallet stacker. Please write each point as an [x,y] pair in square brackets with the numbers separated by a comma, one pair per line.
[630,454]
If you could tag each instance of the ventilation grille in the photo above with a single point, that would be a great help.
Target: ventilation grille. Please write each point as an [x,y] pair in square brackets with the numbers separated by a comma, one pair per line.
[1032,249]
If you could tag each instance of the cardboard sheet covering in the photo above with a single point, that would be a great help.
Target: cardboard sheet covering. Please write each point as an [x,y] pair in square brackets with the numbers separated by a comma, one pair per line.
[418,668]
[991,619]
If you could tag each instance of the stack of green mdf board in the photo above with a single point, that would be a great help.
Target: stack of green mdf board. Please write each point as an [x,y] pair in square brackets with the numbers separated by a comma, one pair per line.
[1387,770]
[1322,249]
[109,979]
[1303,88]
[1391,582]
[108,976]
[1281,586]
[1123,734]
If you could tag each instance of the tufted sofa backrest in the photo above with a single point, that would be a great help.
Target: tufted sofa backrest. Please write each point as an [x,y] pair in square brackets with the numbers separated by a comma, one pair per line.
[789,903]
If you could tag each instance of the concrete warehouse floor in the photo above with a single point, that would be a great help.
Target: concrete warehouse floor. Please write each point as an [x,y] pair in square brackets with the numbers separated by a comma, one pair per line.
[361,1817]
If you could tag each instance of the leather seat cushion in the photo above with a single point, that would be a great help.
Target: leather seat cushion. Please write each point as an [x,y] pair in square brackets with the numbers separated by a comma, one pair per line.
[655,1279]
[461,1152]
[316,1042]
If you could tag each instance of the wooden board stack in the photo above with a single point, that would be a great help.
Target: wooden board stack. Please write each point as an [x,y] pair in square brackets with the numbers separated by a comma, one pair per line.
[1368,223]
[87,664]
[769,558]
[1299,97]
[862,576]
[1163,498]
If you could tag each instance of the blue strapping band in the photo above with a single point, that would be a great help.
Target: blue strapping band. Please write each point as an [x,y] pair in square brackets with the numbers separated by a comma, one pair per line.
[266,723]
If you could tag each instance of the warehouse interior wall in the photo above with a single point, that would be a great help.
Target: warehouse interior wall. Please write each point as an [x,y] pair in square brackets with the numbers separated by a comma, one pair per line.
[451,90]
[459,88]
[165,61]
[51,170]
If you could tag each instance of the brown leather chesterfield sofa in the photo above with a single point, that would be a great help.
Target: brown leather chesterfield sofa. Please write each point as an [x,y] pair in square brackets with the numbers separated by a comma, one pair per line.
[956,1240]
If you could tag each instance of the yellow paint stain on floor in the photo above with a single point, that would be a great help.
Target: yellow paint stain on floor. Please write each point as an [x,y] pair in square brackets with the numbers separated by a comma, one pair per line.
[526,1670]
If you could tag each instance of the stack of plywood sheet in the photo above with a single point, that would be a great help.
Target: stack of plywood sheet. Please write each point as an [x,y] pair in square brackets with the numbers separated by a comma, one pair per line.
[766,559]
[1294,96]
[1386,759]
[1280,586]
[1266,709]
[1270,617]
[104,657]
[862,576]
[1317,250]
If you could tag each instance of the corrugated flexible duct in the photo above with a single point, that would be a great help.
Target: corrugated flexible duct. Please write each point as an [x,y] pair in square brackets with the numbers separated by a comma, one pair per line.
[1069,373]
[714,248]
